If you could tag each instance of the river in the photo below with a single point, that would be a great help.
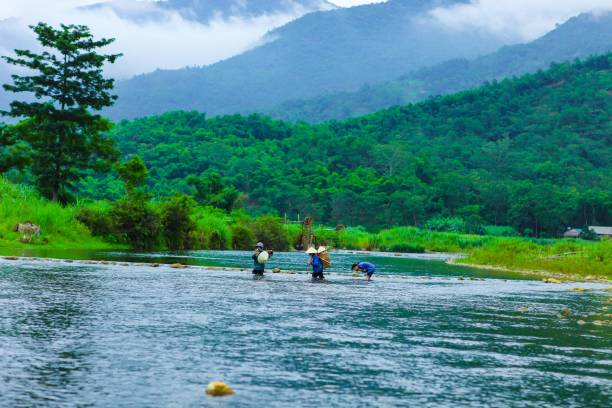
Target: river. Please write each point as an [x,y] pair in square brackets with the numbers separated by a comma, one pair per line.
[422,334]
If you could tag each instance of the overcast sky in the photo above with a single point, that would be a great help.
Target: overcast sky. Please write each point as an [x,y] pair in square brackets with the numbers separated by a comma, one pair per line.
[175,42]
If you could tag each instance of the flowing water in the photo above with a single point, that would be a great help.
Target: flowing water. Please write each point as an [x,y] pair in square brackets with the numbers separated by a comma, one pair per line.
[116,335]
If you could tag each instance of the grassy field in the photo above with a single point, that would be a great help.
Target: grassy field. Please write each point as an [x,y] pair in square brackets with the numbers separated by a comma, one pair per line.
[59,229]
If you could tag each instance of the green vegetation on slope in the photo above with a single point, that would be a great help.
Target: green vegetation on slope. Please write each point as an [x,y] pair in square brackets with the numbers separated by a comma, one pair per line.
[533,153]
[59,229]
[580,37]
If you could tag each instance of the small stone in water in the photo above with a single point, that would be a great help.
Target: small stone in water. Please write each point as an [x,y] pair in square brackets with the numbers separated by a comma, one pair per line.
[566,312]
[581,322]
[551,280]
[578,289]
[177,266]
[219,389]
[523,309]
[276,270]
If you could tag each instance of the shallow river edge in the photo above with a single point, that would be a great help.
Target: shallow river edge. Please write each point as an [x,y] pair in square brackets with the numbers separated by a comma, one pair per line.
[449,258]
[551,277]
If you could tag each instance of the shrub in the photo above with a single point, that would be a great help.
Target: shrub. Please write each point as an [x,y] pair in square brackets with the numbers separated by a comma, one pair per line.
[406,248]
[177,223]
[217,240]
[588,234]
[212,229]
[137,221]
[500,231]
[271,231]
[374,242]
[99,222]
[242,236]
[445,224]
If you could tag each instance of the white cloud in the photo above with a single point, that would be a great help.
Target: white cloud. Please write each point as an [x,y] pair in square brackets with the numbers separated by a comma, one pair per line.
[523,19]
[351,3]
[171,42]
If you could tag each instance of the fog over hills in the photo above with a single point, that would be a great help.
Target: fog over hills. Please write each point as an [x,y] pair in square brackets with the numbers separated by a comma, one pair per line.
[152,35]
[203,11]
[214,56]
[323,51]
[580,37]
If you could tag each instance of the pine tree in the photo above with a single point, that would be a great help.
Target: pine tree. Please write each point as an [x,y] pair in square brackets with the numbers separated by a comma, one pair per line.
[66,79]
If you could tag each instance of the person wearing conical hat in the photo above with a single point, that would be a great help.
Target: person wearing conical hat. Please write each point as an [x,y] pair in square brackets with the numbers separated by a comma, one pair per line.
[324,255]
[316,263]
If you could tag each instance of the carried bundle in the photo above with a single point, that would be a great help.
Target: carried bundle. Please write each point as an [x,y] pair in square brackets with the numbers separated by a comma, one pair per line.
[263,257]
[324,256]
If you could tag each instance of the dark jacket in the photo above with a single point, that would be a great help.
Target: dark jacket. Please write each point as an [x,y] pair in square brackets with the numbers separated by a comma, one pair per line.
[257,266]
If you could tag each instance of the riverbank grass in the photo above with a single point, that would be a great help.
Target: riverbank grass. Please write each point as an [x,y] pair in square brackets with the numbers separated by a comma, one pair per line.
[570,257]
[565,257]
[59,229]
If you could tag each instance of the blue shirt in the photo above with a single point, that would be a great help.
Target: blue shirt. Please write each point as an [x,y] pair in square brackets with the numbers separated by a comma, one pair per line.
[367,267]
[317,265]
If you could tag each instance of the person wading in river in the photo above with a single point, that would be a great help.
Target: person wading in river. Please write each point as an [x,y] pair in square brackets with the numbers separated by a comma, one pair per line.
[258,262]
[365,267]
[316,263]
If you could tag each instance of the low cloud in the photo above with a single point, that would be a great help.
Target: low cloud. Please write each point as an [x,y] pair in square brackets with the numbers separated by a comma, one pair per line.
[168,41]
[520,19]
[352,3]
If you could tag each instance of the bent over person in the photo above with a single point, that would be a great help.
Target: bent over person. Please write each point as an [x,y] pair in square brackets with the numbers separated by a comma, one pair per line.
[365,267]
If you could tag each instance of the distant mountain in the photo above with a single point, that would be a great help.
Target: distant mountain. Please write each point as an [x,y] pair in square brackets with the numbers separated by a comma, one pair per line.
[336,50]
[579,37]
[163,19]
[203,11]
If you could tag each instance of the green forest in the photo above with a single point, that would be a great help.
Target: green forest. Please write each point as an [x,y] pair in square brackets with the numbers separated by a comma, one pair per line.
[533,153]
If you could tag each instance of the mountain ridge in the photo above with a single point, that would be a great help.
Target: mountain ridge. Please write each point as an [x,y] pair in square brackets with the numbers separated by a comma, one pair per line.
[377,42]
[580,37]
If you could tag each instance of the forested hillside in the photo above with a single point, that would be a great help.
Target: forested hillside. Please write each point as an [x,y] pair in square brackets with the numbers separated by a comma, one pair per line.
[580,37]
[533,152]
[337,50]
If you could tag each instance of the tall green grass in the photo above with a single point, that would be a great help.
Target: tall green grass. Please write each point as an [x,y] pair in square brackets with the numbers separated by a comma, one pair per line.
[59,229]
[571,257]
[399,239]
[213,229]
